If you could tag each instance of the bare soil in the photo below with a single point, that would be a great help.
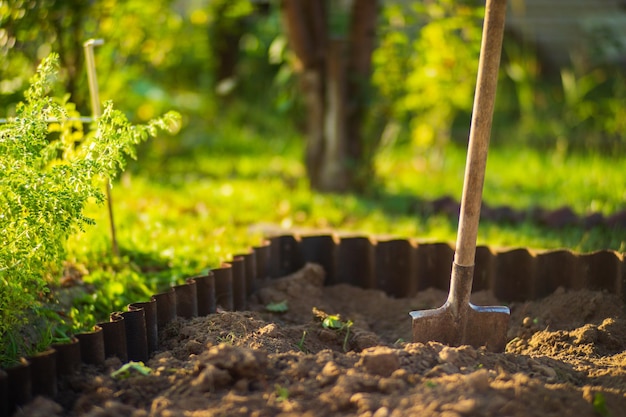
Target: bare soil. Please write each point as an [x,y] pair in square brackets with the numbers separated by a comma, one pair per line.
[566,356]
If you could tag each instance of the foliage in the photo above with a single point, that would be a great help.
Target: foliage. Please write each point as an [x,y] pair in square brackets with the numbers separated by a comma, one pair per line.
[279,307]
[130,368]
[156,55]
[599,404]
[281,393]
[300,344]
[137,35]
[334,322]
[426,64]
[425,71]
[30,31]
[45,182]
[583,109]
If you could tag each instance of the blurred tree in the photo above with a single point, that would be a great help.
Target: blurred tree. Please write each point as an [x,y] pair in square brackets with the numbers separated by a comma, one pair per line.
[333,42]
[426,66]
[156,55]
[138,35]
[31,29]
[227,27]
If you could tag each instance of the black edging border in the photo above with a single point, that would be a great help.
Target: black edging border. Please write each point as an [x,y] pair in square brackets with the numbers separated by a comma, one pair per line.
[557,219]
[400,267]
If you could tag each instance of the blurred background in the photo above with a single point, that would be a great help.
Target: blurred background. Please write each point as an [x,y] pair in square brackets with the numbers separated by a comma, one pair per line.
[408,67]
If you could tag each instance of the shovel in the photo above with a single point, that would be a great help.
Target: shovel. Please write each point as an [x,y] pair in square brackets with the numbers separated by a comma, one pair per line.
[458,322]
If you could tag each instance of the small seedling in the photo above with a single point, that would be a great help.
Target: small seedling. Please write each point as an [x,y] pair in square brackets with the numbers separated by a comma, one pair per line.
[301,342]
[282,393]
[279,307]
[599,404]
[430,384]
[334,322]
[128,369]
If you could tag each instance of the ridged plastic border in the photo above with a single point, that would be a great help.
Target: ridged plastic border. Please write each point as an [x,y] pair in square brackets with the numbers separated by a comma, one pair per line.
[400,267]
[555,219]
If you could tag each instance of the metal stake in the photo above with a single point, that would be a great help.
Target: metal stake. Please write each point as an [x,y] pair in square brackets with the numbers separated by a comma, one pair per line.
[95,107]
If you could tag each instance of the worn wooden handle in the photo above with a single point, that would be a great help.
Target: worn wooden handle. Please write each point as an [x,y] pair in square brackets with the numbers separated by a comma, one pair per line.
[482,115]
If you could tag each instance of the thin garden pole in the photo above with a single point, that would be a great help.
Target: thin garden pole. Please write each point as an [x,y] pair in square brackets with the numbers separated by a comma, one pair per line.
[97,112]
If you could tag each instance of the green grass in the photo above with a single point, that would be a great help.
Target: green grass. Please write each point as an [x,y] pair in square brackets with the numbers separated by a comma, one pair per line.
[518,177]
[178,214]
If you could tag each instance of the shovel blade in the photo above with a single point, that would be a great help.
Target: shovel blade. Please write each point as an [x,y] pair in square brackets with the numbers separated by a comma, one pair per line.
[468,325]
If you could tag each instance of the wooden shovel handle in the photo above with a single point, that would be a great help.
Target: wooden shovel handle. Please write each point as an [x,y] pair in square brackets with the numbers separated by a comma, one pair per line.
[484,99]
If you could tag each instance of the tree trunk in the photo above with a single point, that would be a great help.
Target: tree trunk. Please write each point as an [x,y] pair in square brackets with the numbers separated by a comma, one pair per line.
[363,41]
[334,172]
[224,36]
[334,78]
[312,86]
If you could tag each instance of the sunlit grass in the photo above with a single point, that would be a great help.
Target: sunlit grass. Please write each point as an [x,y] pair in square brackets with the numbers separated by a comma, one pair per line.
[517,177]
[199,211]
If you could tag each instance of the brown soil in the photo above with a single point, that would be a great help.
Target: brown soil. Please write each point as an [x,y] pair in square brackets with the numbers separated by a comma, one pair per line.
[566,356]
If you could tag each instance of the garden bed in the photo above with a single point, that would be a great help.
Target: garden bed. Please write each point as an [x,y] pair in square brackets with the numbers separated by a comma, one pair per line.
[566,353]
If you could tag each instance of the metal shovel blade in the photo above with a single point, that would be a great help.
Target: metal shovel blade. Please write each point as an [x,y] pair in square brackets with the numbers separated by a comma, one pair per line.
[459,322]
[473,325]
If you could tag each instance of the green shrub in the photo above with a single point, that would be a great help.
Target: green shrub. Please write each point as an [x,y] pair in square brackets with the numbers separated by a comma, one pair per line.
[46,179]
[426,65]
[425,71]
[580,108]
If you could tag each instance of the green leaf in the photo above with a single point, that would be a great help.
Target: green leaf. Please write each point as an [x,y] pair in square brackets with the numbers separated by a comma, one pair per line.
[430,384]
[282,393]
[599,404]
[332,322]
[279,307]
[128,369]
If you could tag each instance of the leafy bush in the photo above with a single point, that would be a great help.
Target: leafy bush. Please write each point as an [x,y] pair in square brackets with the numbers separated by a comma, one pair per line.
[45,182]
[425,71]
[583,109]
[426,64]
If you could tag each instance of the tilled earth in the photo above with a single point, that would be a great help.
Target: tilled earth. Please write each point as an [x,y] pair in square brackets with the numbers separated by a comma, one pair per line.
[566,356]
